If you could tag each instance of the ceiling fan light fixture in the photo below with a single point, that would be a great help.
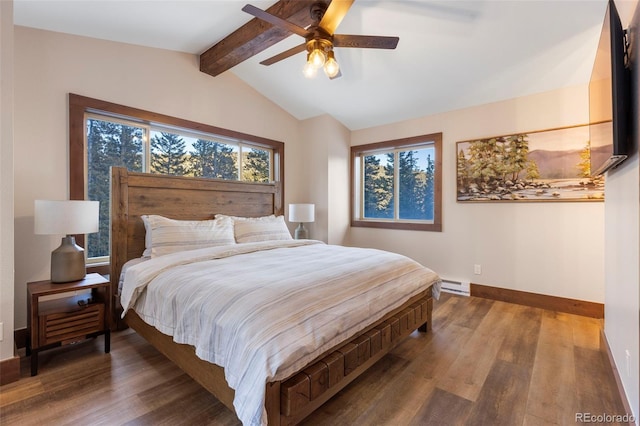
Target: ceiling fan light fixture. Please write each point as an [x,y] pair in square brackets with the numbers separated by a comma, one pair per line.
[331,67]
[317,58]
[320,37]
[309,70]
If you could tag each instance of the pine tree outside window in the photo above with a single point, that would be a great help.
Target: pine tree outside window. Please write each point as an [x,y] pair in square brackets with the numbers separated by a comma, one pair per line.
[397,184]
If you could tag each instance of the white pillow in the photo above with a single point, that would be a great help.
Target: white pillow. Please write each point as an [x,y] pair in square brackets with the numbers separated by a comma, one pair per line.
[255,229]
[166,235]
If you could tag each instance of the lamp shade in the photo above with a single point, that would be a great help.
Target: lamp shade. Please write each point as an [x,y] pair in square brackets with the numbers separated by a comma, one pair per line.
[301,212]
[67,217]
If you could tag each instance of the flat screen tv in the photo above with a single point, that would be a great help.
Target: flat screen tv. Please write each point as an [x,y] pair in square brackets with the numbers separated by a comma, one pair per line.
[610,97]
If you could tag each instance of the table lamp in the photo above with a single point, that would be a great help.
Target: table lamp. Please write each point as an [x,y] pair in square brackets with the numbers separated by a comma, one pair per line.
[301,213]
[68,217]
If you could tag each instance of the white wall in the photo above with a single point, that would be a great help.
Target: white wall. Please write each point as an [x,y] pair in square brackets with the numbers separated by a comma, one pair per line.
[622,275]
[49,65]
[325,172]
[622,242]
[6,179]
[548,248]
[338,185]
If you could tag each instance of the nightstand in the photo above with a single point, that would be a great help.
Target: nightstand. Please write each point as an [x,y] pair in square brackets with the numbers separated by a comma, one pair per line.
[69,318]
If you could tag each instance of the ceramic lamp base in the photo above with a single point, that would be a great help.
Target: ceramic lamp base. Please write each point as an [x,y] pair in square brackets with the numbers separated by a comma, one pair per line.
[67,261]
[301,233]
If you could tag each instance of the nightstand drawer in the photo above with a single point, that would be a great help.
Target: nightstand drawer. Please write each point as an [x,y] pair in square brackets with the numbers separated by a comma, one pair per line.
[67,327]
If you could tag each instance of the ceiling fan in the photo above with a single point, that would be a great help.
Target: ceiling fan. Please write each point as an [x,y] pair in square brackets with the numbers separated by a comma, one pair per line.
[320,37]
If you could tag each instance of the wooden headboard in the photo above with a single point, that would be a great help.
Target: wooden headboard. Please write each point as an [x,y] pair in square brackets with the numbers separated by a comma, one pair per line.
[177,197]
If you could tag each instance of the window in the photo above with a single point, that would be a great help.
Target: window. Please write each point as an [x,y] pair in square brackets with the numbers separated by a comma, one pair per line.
[109,143]
[398,184]
[103,135]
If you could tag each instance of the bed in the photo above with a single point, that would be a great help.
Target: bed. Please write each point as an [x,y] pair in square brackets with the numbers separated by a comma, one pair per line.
[293,383]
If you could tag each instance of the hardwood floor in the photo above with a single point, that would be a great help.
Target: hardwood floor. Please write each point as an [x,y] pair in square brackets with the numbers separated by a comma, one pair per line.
[484,363]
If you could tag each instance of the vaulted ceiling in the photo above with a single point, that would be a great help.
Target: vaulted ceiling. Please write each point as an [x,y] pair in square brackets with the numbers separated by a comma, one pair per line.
[452,54]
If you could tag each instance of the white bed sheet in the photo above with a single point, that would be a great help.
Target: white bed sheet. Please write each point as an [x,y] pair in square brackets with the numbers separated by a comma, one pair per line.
[264,310]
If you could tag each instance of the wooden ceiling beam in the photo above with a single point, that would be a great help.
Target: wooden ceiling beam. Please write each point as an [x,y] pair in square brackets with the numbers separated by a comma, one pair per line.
[254,37]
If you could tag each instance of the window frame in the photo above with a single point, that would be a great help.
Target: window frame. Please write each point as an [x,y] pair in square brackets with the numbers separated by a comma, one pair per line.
[80,106]
[405,144]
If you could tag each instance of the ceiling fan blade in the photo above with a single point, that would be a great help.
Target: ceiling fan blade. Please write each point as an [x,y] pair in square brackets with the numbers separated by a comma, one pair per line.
[363,41]
[334,15]
[285,54]
[274,20]
[254,37]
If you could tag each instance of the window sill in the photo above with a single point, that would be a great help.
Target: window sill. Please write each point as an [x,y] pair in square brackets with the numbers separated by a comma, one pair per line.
[102,268]
[411,226]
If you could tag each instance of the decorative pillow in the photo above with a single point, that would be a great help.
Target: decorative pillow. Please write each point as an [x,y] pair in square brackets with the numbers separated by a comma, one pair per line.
[254,229]
[166,235]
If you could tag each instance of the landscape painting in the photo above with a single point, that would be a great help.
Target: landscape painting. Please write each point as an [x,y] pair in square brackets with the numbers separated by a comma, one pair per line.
[550,165]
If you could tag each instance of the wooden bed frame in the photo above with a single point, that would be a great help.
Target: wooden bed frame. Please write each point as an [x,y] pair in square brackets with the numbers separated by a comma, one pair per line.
[287,401]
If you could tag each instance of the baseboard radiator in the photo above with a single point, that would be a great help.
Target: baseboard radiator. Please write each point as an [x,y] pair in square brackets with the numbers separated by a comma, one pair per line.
[456,287]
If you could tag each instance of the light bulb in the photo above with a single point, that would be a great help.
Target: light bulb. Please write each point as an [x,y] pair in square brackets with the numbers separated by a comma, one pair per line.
[309,70]
[317,58]
[331,67]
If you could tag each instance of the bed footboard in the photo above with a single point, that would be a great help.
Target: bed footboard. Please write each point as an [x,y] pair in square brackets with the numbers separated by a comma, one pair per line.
[289,401]
[307,390]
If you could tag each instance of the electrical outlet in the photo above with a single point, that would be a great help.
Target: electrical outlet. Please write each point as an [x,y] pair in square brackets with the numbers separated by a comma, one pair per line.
[477,269]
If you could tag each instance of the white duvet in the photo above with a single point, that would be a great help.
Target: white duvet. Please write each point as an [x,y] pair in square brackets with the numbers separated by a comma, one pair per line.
[264,310]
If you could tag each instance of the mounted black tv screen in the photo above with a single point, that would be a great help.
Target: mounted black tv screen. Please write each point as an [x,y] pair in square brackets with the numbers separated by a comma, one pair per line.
[609,97]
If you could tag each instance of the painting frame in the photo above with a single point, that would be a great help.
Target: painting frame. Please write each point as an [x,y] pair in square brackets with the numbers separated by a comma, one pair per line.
[552,165]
